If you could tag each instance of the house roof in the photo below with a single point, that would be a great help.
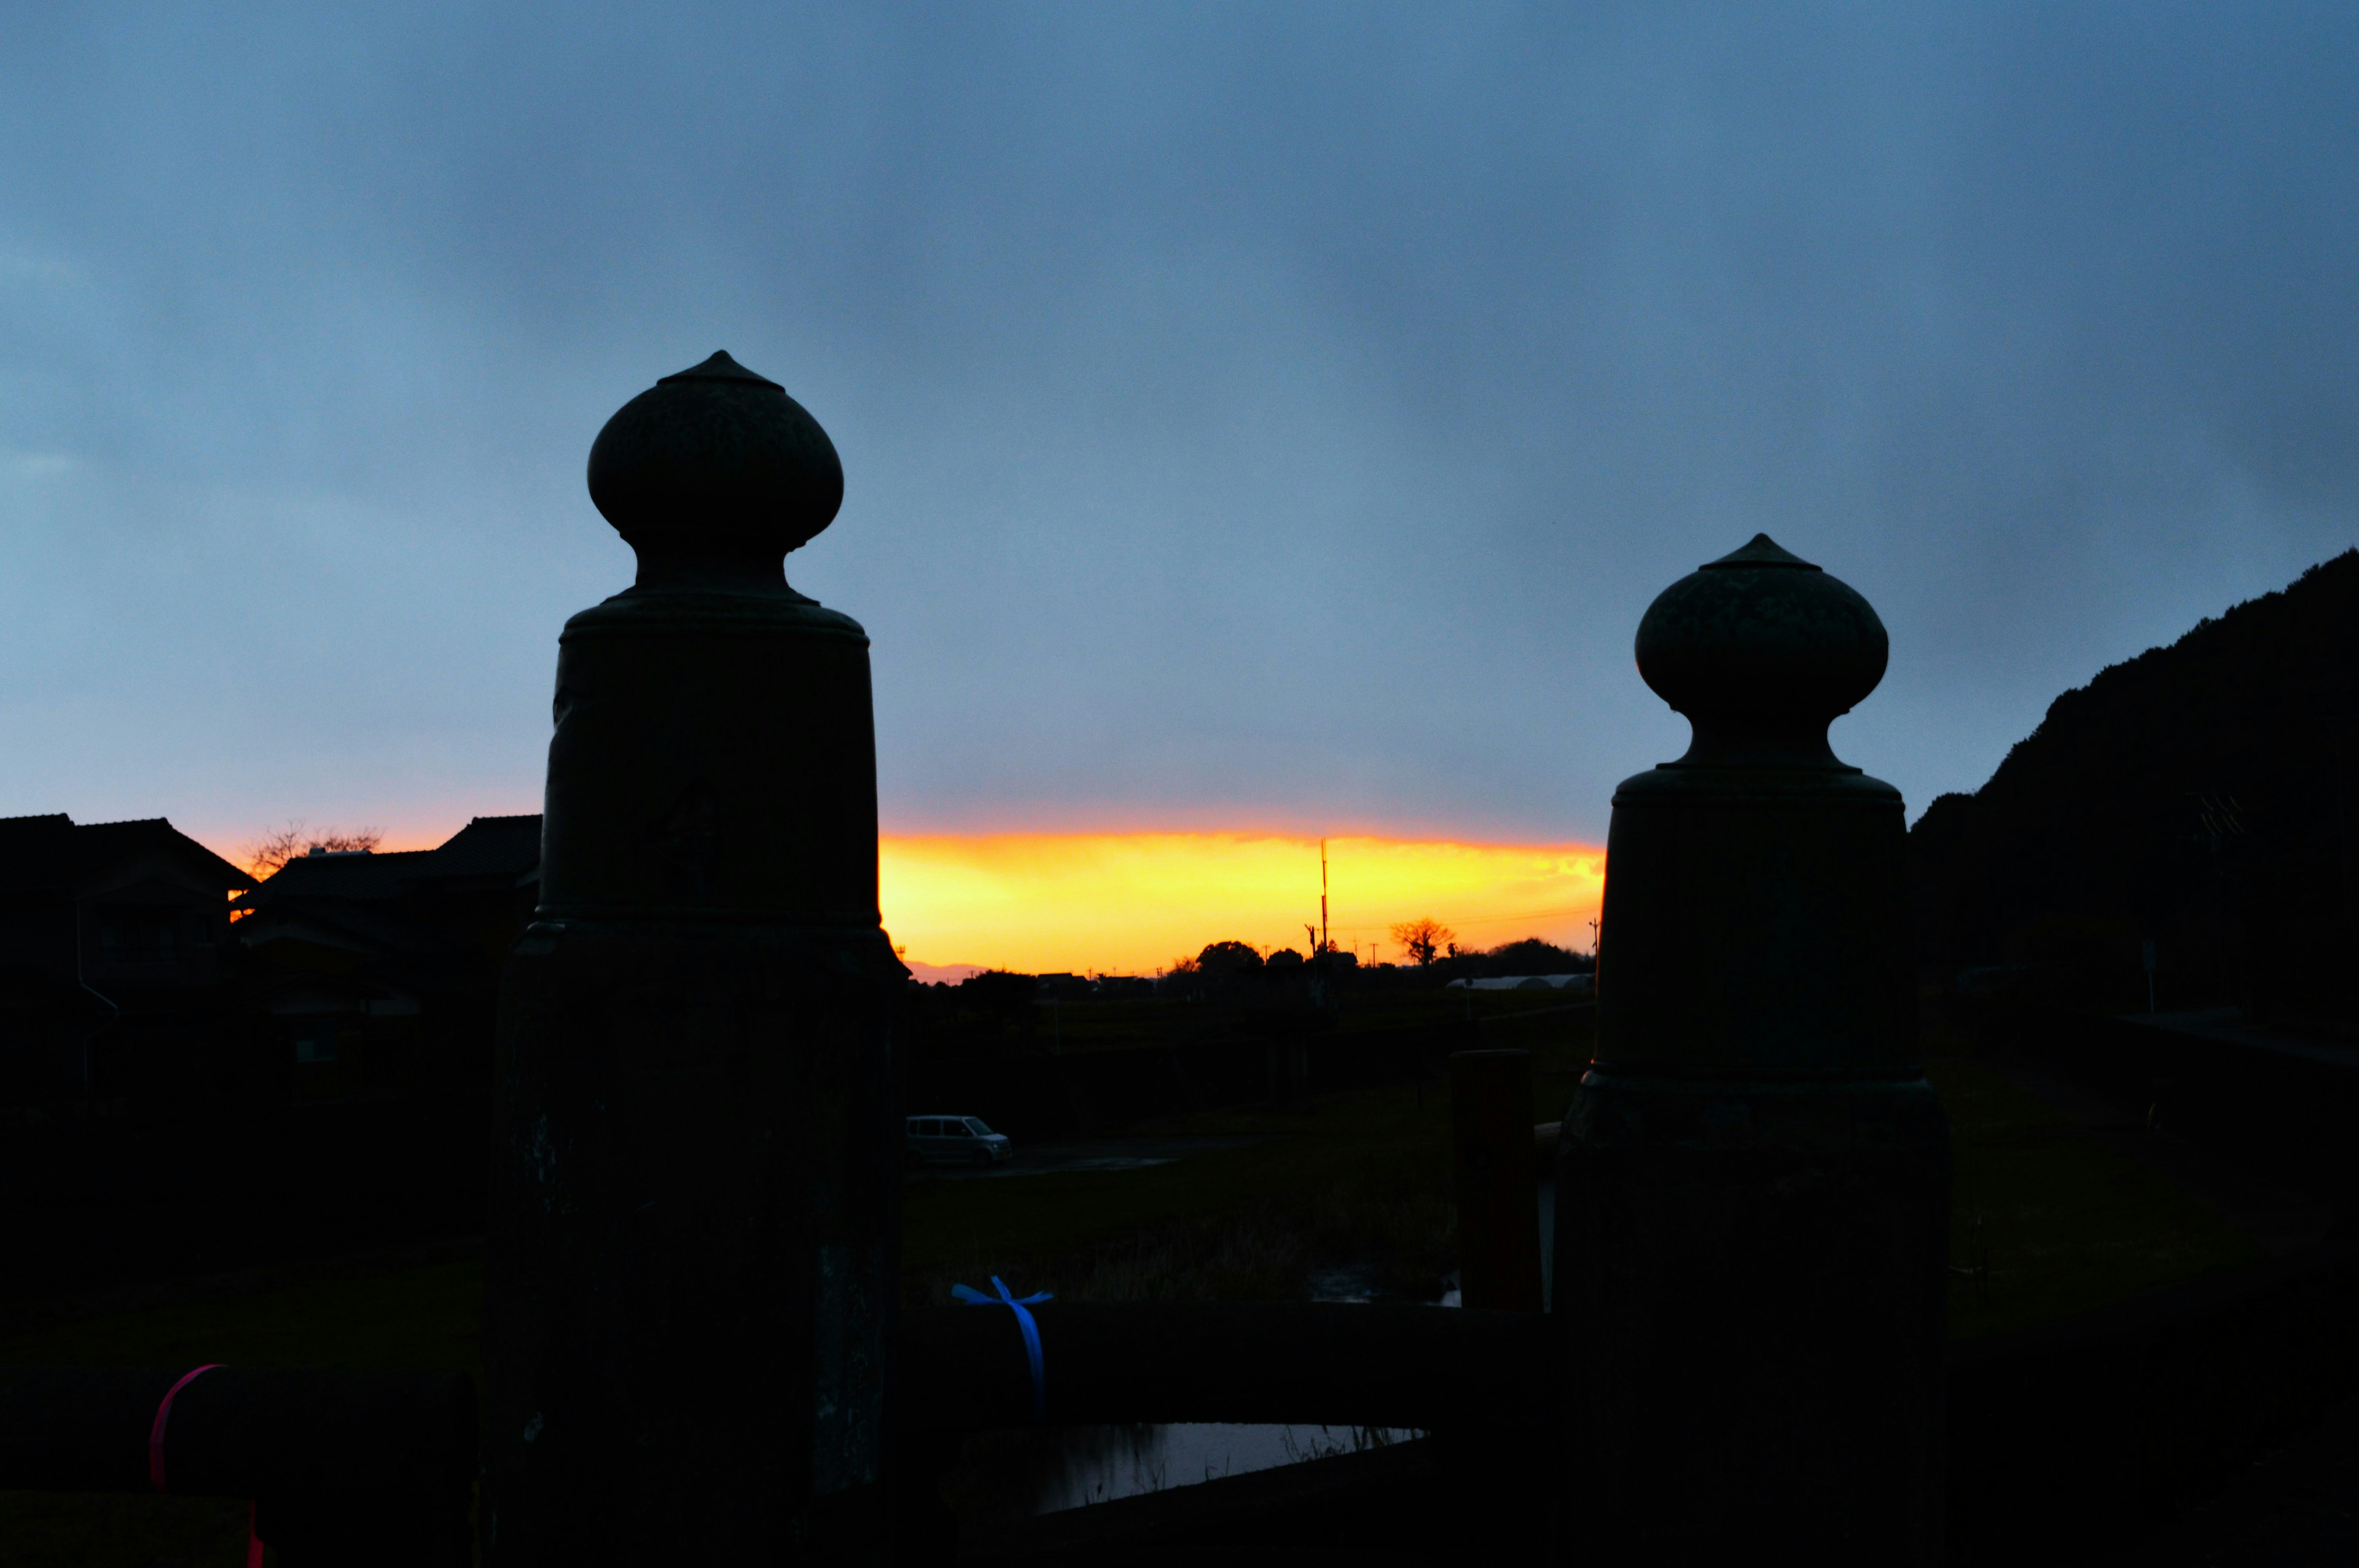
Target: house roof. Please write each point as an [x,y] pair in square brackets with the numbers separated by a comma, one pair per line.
[394,905]
[56,854]
[504,846]
[364,875]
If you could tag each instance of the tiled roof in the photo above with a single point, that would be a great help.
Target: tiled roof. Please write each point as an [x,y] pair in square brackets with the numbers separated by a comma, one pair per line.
[346,876]
[56,853]
[504,846]
[393,904]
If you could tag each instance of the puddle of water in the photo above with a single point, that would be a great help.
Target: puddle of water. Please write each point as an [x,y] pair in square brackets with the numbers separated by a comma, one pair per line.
[1106,1463]
[1048,1470]
[1342,1285]
[1352,1286]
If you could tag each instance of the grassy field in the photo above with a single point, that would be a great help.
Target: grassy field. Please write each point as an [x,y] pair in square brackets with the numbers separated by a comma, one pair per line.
[2047,1220]
[1363,1185]
[1364,1182]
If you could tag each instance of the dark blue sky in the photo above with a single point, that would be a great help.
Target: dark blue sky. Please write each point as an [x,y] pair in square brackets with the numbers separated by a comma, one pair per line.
[1253,415]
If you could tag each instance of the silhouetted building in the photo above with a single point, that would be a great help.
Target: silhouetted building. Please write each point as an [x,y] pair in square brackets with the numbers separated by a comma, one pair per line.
[376,975]
[111,960]
[1063,986]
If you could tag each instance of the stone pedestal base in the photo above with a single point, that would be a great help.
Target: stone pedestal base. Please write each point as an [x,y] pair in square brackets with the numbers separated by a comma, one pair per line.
[695,1203]
[1750,1283]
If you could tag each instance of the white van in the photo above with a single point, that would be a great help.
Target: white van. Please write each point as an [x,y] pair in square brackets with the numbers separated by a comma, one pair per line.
[953,1141]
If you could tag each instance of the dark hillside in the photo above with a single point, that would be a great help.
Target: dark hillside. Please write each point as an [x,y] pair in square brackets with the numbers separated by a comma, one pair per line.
[2196,796]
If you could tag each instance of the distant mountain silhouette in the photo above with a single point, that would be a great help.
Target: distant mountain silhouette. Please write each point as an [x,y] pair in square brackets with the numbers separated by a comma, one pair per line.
[2199,796]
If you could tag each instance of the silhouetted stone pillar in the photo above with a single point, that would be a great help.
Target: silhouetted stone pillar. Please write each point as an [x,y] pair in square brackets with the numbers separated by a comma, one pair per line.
[1752,1180]
[696,1183]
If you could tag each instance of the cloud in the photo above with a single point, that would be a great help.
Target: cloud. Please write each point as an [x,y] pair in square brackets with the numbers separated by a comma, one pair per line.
[1249,414]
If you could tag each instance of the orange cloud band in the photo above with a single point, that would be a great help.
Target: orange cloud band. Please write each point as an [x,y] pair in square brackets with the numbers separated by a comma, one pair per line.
[1130,902]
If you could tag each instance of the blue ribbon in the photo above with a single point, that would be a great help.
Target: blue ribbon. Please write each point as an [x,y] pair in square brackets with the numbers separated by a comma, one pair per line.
[1024,1319]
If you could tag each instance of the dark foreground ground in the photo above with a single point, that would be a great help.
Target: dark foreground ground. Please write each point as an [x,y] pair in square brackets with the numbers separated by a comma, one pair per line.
[2297,1507]
[2066,1201]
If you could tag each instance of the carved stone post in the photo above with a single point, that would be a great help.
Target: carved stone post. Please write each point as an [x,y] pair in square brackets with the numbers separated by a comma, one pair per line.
[1752,1180]
[695,1186]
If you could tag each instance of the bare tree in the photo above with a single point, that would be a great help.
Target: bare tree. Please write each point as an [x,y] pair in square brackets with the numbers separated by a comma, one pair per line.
[1423,937]
[277,846]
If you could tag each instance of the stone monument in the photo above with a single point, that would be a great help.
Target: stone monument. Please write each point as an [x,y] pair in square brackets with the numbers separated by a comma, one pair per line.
[1753,1179]
[695,1187]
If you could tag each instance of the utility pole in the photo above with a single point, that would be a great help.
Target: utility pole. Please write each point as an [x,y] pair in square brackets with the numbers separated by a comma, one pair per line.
[1324,941]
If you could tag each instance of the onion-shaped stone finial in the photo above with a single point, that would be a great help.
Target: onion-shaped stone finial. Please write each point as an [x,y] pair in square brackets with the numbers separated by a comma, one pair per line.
[1761,651]
[713,475]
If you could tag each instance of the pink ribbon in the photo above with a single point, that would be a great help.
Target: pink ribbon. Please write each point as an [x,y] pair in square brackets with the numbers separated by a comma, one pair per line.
[156,1457]
[163,1414]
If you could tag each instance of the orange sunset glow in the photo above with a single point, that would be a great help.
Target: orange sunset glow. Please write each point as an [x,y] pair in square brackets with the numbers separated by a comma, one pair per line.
[1130,902]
